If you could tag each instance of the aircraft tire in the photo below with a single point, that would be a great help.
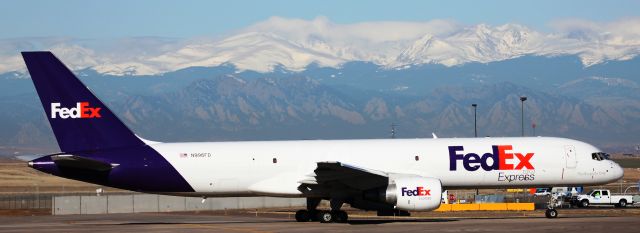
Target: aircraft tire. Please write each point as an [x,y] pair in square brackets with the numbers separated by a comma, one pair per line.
[302,216]
[314,215]
[325,216]
[551,213]
[341,216]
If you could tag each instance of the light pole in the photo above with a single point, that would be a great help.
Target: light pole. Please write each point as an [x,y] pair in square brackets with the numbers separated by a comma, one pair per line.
[393,130]
[475,120]
[522,99]
[475,132]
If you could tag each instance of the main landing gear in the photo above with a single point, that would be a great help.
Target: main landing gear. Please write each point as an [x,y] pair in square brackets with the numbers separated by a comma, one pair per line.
[551,211]
[312,214]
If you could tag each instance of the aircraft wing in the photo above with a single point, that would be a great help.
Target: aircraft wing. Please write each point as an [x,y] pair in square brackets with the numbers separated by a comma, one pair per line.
[337,173]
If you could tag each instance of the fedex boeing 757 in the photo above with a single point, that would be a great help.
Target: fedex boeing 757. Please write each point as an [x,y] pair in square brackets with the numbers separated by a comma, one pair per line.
[390,176]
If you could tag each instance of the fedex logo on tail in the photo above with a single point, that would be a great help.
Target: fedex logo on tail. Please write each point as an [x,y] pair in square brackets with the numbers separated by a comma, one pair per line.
[501,159]
[419,191]
[82,110]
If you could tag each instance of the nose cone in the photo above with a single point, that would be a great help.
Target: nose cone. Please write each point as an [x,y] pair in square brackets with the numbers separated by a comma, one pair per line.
[616,171]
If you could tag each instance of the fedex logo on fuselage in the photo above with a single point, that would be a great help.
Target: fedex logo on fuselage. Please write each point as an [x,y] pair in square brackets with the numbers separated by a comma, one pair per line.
[82,110]
[419,191]
[501,159]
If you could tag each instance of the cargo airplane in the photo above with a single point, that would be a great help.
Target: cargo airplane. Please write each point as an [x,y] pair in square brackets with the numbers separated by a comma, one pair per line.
[390,176]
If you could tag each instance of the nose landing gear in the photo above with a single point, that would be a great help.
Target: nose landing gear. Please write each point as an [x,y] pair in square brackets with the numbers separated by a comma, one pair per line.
[551,213]
[554,201]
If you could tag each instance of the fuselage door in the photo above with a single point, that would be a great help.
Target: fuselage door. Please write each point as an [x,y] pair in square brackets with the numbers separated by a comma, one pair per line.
[570,156]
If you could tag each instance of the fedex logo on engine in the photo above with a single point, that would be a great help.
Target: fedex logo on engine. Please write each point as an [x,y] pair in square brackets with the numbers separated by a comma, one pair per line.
[82,110]
[501,159]
[419,191]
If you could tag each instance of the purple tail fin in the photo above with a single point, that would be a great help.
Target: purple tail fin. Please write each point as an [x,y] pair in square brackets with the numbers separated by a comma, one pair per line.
[80,121]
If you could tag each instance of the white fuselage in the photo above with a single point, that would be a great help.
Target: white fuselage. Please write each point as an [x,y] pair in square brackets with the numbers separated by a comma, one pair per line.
[275,168]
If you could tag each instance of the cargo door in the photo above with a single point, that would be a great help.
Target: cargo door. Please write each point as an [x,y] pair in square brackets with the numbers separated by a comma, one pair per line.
[570,156]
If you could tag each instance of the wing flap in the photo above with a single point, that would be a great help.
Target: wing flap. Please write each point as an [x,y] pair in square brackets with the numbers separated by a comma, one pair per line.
[333,172]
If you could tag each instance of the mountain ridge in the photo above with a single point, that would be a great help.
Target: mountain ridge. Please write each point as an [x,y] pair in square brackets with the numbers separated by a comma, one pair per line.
[599,104]
[295,44]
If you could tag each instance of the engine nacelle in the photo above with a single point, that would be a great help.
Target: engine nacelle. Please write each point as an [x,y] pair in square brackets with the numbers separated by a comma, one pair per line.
[414,193]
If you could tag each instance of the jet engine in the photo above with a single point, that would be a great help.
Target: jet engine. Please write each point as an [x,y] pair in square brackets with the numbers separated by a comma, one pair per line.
[414,193]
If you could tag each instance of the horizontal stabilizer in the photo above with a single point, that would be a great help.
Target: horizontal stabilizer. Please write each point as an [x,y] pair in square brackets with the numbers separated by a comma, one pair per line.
[78,162]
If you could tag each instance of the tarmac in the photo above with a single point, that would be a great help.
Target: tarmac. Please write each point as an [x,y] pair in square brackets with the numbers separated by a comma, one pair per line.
[284,222]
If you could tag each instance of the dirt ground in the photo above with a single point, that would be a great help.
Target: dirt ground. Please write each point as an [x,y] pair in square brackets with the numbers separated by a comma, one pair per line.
[25,212]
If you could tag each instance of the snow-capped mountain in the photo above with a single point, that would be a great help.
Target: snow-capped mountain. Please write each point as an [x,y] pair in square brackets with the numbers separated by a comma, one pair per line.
[480,43]
[249,51]
[294,44]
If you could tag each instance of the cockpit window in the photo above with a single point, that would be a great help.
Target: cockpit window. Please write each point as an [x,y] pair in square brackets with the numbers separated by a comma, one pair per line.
[600,156]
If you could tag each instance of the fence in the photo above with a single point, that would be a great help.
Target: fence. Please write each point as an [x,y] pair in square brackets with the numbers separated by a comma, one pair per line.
[27,201]
[137,203]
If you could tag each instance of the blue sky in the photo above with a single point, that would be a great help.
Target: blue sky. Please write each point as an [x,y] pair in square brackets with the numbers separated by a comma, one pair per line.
[121,18]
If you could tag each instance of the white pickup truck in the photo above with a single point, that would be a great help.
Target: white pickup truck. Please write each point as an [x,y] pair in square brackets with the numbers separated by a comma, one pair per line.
[601,197]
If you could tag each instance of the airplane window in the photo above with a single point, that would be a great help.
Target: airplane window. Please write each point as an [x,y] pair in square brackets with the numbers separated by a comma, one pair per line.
[600,156]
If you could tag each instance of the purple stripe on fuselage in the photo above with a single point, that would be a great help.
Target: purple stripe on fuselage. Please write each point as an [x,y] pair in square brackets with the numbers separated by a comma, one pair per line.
[139,169]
